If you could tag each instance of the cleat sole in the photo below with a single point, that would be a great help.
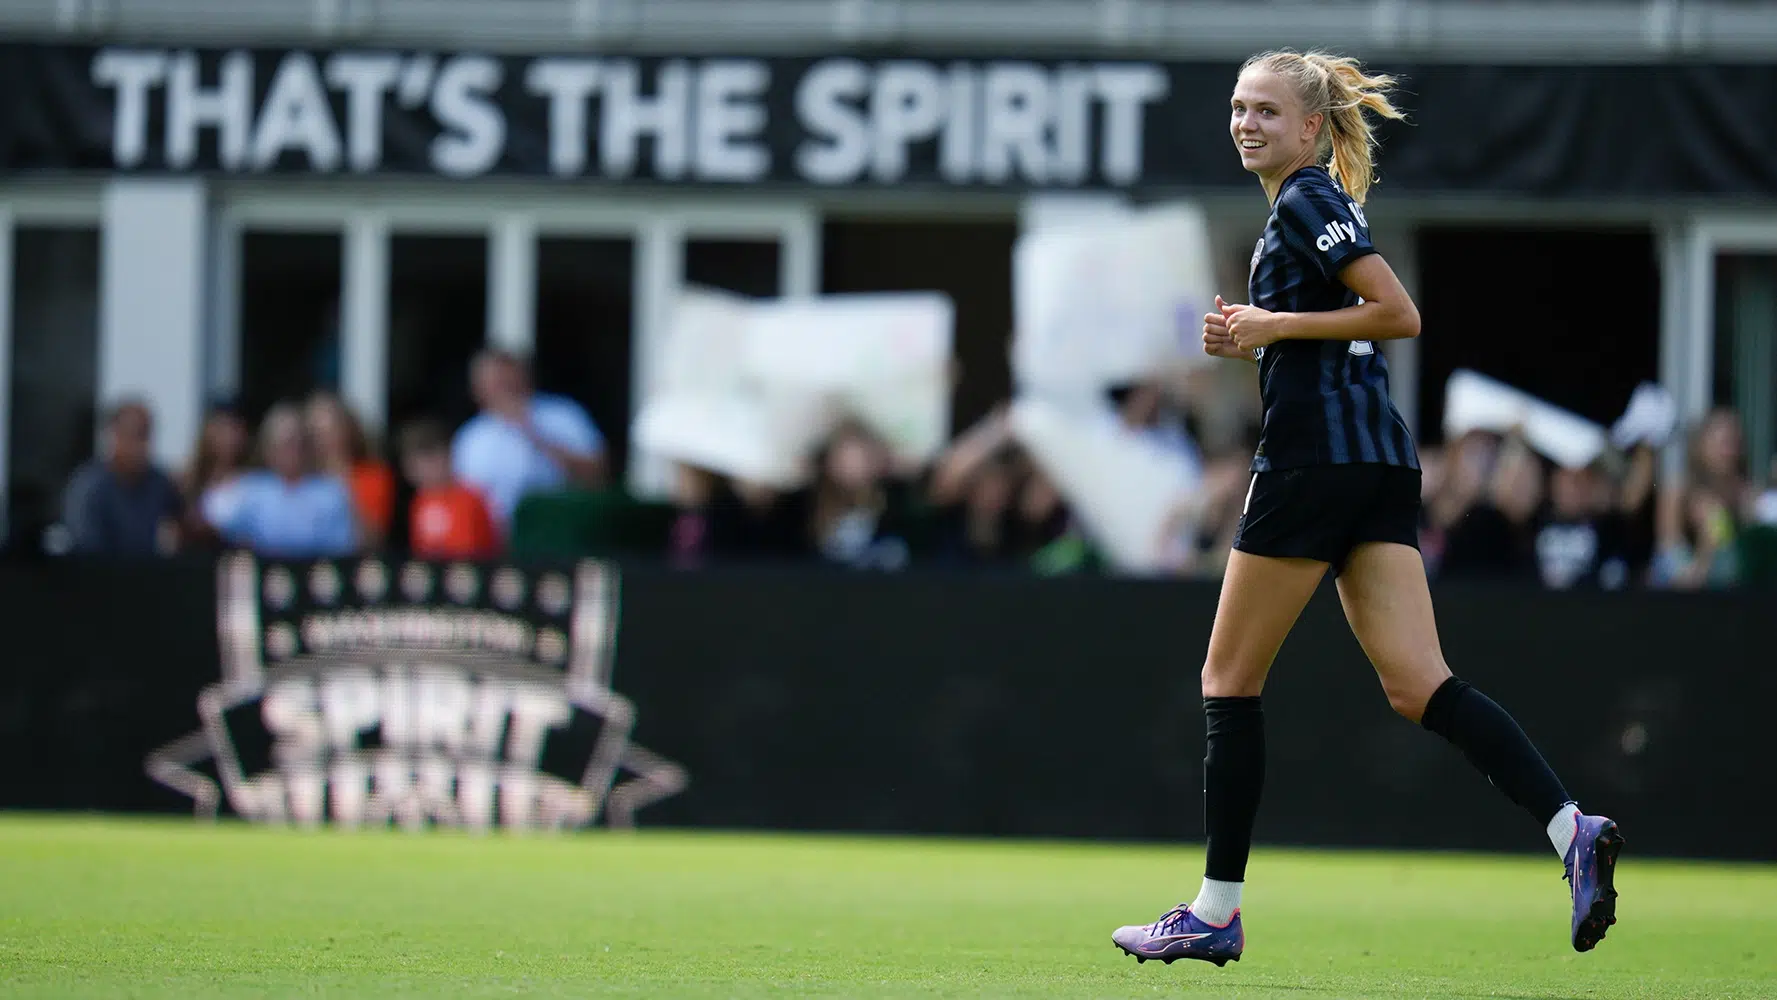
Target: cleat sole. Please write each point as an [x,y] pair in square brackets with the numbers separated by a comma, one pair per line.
[1607,845]
[1169,959]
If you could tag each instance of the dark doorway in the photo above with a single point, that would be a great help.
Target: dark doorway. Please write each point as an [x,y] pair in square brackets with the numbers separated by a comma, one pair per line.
[1570,316]
[969,260]
[585,314]
[290,342]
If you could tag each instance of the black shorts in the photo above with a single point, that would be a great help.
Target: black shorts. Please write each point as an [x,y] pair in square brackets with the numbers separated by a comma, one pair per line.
[1324,511]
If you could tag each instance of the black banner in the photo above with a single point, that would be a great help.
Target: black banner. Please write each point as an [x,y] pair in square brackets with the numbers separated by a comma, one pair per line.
[852,120]
[989,706]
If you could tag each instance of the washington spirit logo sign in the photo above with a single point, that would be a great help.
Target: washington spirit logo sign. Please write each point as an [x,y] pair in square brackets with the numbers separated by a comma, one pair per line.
[365,692]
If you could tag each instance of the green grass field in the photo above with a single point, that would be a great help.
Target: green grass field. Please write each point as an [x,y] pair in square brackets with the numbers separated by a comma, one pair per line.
[96,908]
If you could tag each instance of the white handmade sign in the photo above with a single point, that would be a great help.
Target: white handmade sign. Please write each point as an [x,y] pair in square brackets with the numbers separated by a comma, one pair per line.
[1114,300]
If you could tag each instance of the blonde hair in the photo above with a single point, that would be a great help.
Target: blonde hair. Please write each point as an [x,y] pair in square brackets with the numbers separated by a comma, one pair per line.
[1337,88]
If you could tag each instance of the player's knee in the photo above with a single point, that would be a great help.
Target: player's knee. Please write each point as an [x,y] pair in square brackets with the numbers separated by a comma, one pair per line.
[1408,694]
[1221,680]
[1407,702]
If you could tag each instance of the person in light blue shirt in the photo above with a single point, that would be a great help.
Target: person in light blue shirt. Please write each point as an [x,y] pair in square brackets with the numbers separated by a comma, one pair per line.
[286,510]
[522,441]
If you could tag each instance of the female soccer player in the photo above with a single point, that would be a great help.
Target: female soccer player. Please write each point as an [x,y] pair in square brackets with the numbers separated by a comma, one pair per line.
[1335,484]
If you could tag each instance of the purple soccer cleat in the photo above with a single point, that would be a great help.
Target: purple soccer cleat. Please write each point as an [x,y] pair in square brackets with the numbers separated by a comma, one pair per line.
[1592,868]
[1179,934]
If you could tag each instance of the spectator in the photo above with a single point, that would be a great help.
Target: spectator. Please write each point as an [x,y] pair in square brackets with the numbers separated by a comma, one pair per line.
[121,504]
[1145,409]
[1489,501]
[856,512]
[1698,520]
[975,482]
[342,450]
[1581,540]
[218,460]
[288,510]
[522,441]
[688,540]
[449,520]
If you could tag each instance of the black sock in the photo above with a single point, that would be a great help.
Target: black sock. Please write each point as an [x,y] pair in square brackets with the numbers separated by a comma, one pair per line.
[1490,738]
[1233,776]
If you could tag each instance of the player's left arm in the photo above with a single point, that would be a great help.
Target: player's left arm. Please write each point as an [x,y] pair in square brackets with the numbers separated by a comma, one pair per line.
[1387,312]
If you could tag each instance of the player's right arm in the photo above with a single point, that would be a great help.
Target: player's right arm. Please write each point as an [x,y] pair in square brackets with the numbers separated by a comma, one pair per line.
[1217,342]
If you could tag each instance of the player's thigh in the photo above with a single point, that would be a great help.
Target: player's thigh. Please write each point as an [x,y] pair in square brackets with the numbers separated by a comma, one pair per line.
[1262,596]
[1388,603]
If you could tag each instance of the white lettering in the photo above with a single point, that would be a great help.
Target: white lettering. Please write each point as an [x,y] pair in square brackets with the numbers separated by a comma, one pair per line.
[436,800]
[627,116]
[348,787]
[394,698]
[1125,90]
[475,795]
[1016,115]
[1073,125]
[906,105]
[227,108]
[366,78]
[416,81]
[840,146]
[959,148]
[518,797]
[296,116]
[568,83]
[427,628]
[132,74]
[729,120]
[488,719]
[475,131]
[293,717]
[395,795]
[442,701]
[450,749]
[348,707]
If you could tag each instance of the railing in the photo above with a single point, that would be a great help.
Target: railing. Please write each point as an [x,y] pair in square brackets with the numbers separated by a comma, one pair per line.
[1510,30]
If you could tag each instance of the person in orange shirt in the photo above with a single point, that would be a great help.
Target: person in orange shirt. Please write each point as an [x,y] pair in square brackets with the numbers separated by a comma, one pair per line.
[448,520]
[343,450]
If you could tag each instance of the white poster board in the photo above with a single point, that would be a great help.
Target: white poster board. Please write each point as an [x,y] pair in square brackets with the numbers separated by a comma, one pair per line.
[1111,301]
[749,388]
[1473,401]
[1134,497]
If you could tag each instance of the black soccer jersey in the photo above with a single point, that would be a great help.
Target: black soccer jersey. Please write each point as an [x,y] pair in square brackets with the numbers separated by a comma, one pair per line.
[1326,401]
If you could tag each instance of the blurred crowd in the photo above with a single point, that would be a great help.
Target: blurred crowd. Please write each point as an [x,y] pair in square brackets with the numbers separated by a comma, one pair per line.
[309,481]
[1494,509]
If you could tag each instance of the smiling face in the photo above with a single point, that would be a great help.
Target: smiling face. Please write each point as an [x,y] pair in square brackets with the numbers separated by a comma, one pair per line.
[1271,130]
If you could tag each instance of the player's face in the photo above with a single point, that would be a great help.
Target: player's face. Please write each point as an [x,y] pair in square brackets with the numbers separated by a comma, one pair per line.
[1270,130]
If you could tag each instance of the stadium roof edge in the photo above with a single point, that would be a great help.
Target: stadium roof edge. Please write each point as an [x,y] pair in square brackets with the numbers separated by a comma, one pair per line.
[1501,31]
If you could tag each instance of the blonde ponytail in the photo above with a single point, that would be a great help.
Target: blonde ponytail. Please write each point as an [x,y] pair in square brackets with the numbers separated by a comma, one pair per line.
[1337,88]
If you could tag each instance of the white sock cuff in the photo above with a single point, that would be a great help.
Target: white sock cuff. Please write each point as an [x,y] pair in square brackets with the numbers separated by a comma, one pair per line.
[1561,827]
[1217,902]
